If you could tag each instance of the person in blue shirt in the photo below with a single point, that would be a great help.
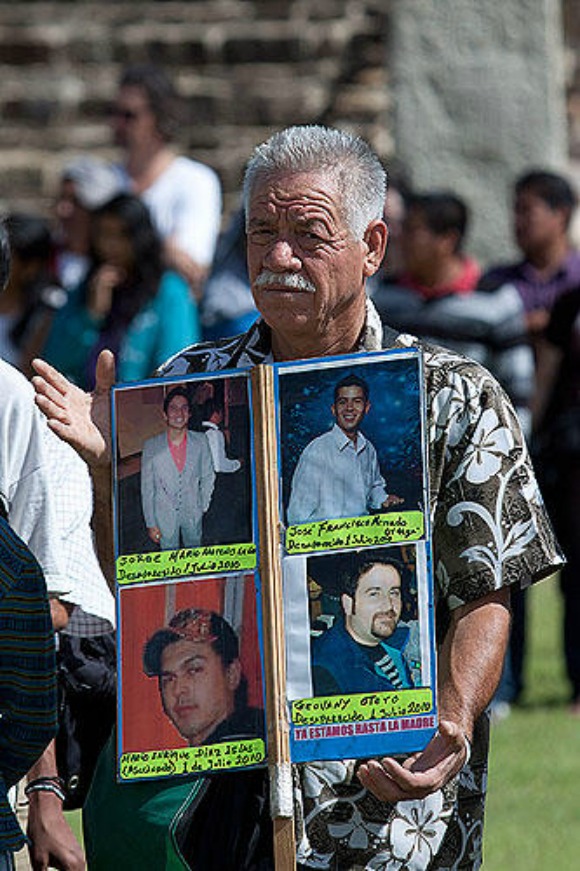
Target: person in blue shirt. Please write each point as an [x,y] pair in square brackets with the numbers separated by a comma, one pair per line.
[128,301]
[367,649]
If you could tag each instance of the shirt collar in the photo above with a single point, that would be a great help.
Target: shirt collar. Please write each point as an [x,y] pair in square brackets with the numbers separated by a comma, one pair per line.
[343,442]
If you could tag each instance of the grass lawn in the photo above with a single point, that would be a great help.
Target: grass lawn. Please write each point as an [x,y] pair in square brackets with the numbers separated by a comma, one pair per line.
[533,808]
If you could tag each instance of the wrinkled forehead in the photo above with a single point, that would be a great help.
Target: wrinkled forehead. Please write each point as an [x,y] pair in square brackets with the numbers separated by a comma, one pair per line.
[296,192]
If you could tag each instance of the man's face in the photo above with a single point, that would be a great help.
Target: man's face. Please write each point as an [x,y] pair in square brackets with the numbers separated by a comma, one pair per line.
[197,690]
[178,413]
[132,120]
[350,408]
[421,248]
[297,233]
[373,614]
[536,224]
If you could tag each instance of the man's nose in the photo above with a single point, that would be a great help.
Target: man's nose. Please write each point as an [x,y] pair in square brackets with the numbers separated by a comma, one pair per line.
[179,687]
[281,257]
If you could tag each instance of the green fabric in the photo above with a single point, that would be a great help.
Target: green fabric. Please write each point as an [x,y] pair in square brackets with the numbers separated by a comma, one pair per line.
[154,807]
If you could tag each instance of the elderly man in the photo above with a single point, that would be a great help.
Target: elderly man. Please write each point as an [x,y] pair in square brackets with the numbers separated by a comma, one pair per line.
[314,202]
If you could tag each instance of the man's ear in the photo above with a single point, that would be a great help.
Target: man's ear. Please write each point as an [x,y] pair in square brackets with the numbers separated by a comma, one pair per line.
[346,602]
[375,237]
[449,242]
[234,674]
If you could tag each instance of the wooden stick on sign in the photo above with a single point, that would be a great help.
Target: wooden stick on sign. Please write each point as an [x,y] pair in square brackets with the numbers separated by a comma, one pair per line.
[281,802]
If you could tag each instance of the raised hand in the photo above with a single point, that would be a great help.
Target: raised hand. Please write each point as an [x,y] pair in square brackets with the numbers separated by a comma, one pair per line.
[79,418]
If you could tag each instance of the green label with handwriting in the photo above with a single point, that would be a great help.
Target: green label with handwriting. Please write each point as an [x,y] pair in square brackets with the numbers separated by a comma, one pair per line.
[166,564]
[192,760]
[372,530]
[362,706]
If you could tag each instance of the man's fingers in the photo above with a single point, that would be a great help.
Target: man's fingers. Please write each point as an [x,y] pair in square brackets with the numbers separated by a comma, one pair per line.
[389,781]
[52,409]
[389,787]
[105,374]
[51,376]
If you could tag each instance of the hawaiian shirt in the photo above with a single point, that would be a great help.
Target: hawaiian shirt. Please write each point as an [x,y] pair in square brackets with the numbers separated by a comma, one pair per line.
[490,529]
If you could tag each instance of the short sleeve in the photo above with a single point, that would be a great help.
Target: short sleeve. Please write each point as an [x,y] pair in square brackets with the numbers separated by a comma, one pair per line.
[490,526]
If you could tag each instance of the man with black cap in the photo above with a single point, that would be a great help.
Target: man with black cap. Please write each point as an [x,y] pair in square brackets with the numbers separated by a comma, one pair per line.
[203,691]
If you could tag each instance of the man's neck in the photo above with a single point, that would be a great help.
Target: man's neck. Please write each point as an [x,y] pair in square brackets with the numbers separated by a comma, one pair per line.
[343,341]
[145,164]
[443,273]
[549,259]
[11,300]
[176,436]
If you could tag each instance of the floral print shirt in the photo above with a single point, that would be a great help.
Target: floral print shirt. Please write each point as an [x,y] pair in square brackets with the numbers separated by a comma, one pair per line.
[490,530]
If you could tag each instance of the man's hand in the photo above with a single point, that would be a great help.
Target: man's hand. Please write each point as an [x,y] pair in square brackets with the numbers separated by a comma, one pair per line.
[420,774]
[60,613]
[79,418]
[154,533]
[53,844]
[392,500]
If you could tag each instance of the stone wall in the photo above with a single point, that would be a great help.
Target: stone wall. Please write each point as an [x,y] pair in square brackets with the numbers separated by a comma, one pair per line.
[479,99]
[246,67]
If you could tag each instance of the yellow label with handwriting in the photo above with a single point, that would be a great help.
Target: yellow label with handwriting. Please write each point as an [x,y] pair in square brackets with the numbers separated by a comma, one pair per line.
[368,531]
[192,760]
[166,564]
[362,706]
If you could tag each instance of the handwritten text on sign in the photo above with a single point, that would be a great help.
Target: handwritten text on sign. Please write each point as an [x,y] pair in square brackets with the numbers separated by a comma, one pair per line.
[360,707]
[165,564]
[192,760]
[375,529]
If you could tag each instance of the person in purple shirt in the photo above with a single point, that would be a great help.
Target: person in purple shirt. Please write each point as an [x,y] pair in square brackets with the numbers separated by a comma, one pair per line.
[544,204]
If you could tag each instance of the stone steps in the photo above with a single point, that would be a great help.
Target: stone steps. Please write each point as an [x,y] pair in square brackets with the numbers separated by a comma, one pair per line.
[245,69]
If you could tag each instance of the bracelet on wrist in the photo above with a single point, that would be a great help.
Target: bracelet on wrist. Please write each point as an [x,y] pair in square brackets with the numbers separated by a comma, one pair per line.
[55,784]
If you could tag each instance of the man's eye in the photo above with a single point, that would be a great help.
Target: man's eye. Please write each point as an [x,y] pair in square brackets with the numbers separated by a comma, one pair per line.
[261,233]
[310,237]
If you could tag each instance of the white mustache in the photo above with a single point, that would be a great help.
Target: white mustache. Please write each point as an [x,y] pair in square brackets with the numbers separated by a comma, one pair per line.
[284,279]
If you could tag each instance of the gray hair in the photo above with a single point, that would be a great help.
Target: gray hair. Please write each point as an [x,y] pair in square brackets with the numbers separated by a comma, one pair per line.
[349,160]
